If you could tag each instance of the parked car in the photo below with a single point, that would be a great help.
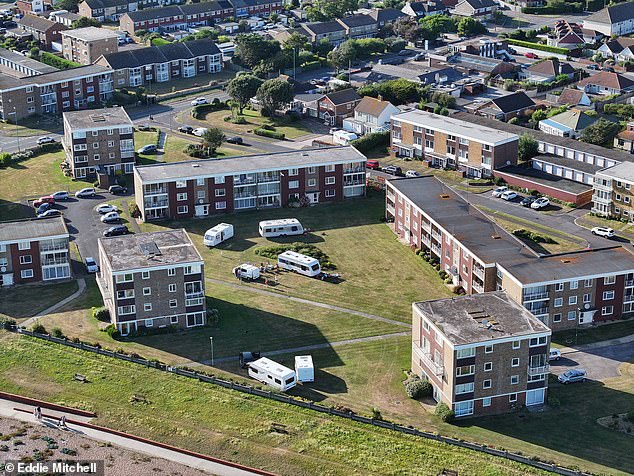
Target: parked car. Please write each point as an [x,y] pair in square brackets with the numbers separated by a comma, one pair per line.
[117,189]
[608,69]
[405,52]
[554,354]
[111,217]
[91,265]
[199,131]
[509,195]
[603,231]
[235,140]
[45,199]
[43,208]
[393,170]
[372,164]
[499,191]
[186,129]
[61,195]
[531,55]
[593,66]
[332,130]
[412,174]
[527,201]
[105,208]
[85,192]
[199,101]
[573,375]
[540,203]
[147,149]
[51,212]
[116,231]
[45,140]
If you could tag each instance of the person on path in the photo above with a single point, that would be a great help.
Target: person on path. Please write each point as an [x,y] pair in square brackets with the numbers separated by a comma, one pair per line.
[35,414]
[276,280]
[62,422]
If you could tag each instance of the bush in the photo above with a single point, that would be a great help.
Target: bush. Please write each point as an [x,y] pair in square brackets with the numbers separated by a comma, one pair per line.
[101,314]
[6,323]
[57,332]
[366,143]
[200,111]
[38,328]
[417,388]
[376,414]
[50,147]
[112,331]
[196,151]
[306,249]
[271,134]
[535,237]
[538,46]
[445,414]
[5,159]
[133,210]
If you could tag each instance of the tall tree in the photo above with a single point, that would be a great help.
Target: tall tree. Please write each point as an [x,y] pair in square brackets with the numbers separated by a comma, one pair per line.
[527,147]
[344,54]
[468,26]
[252,48]
[213,138]
[273,94]
[296,41]
[408,29]
[433,25]
[601,132]
[242,88]
[84,22]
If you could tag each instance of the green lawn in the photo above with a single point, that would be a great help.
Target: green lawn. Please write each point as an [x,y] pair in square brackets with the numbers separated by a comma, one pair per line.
[26,301]
[227,424]
[380,274]
[589,335]
[624,230]
[33,126]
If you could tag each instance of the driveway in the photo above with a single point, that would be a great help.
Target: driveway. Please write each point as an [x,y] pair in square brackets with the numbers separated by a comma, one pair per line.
[601,362]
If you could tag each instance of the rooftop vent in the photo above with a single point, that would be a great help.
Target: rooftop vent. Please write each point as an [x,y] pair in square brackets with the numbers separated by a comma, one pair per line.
[149,249]
[98,118]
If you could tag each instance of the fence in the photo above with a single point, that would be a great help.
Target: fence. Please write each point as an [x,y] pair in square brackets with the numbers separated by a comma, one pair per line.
[409,430]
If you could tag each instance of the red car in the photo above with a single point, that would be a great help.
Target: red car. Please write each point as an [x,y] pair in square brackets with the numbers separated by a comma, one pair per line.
[531,55]
[47,199]
[373,164]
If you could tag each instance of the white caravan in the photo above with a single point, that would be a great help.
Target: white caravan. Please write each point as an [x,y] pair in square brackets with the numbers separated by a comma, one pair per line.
[283,227]
[247,271]
[219,233]
[273,374]
[304,368]
[299,263]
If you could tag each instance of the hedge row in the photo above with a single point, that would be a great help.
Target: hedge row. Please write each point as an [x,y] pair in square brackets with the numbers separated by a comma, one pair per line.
[199,112]
[370,141]
[567,7]
[56,61]
[7,159]
[272,134]
[538,46]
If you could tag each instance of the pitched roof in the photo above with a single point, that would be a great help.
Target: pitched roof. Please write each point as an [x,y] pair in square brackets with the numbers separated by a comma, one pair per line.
[614,14]
[343,96]
[550,67]
[513,102]
[161,54]
[38,23]
[321,27]
[619,44]
[478,4]
[177,10]
[381,15]
[608,80]
[372,106]
[357,20]
[574,119]
[100,4]
[426,7]
[570,96]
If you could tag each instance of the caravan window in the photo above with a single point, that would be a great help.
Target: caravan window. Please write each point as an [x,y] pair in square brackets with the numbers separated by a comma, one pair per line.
[290,381]
[293,228]
[315,267]
[254,370]
[278,381]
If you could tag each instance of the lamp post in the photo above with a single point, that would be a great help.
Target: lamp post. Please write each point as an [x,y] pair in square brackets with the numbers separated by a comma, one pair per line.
[211,342]
[17,135]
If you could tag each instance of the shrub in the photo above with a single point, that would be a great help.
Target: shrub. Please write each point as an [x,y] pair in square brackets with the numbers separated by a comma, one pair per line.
[370,141]
[6,323]
[101,314]
[38,328]
[376,414]
[56,61]
[200,111]
[57,332]
[194,150]
[133,210]
[417,388]
[112,331]
[50,147]
[538,46]
[445,414]
[271,134]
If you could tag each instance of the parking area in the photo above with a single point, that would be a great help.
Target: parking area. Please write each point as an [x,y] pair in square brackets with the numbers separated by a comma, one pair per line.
[601,362]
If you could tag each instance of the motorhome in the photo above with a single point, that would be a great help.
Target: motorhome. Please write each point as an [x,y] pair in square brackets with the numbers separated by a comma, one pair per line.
[273,374]
[247,271]
[299,263]
[216,235]
[343,137]
[283,227]
[304,369]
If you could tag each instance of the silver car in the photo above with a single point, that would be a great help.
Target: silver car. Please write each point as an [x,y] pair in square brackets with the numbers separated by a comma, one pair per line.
[571,376]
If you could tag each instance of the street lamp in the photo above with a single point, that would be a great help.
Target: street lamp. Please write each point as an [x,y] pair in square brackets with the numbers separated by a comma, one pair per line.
[17,136]
[211,342]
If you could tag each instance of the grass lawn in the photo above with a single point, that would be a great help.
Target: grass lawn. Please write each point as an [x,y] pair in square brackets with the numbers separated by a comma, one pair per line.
[227,424]
[19,302]
[187,83]
[622,229]
[588,335]
[380,274]
[35,126]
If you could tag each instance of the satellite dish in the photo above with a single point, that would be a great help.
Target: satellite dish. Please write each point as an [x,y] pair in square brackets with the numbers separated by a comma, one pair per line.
[586,306]
[201,201]
[3,269]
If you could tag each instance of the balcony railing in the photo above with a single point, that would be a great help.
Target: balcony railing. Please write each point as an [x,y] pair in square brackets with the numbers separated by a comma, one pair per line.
[54,261]
[425,225]
[477,287]
[597,198]
[239,183]
[245,194]
[478,271]
[127,154]
[539,311]
[354,170]
[437,250]
[428,360]
[155,191]
[544,369]
[629,282]
[390,210]
[629,298]
[536,296]
[353,183]
[156,204]
[437,236]
[54,247]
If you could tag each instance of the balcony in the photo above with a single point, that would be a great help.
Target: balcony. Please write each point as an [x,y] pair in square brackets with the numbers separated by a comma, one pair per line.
[436,236]
[478,271]
[539,311]
[53,247]
[629,283]
[425,225]
[244,194]
[437,250]
[428,360]
[127,154]
[390,210]
[477,287]
[544,369]
[354,170]
[54,261]
[599,199]
[240,183]
[629,298]
[353,183]
[155,204]
[536,296]
[160,190]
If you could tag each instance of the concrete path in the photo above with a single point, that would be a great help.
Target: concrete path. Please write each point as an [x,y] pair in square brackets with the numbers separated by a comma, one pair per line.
[310,303]
[81,282]
[7,409]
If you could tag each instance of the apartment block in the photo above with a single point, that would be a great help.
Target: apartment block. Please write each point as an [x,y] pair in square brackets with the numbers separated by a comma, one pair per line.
[152,280]
[86,45]
[207,187]
[614,192]
[99,141]
[445,141]
[34,251]
[562,290]
[483,354]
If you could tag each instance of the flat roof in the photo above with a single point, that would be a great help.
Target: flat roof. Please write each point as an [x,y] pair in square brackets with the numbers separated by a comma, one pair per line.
[90,33]
[247,164]
[546,179]
[569,163]
[127,252]
[97,118]
[455,126]
[623,171]
[26,62]
[483,317]
[32,229]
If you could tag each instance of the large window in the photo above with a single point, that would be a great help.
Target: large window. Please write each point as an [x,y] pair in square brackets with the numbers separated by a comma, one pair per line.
[464,388]
[464,408]
[465,370]
[123,310]
[464,353]
[124,278]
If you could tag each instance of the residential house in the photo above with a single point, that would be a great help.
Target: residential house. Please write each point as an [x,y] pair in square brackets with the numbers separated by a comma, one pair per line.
[616,20]
[418,72]
[573,97]
[482,46]
[506,107]
[334,107]
[200,188]
[546,71]
[333,31]
[566,35]
[159,64]
[606,83]
[420,9]
[64,17]
[306,104]
[260,8]
[482,354]
[480,64]
[43,30]
[478,9]
[567,124]
[370,115]
[624,140]
[33,6]
[614,192]
[99,142]
[447,142]
[385,16]
[86,45]
[34,250]
[152,281]
[359,26]
[612,48]
[107,10]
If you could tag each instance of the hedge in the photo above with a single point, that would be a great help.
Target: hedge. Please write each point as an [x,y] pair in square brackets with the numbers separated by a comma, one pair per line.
[271,134]
[568,7]
[199,112]
[310,65]
[56,61]
[538,46]
[7,159]
[370,141]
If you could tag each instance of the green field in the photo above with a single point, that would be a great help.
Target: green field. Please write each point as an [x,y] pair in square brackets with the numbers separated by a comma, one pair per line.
[26,301]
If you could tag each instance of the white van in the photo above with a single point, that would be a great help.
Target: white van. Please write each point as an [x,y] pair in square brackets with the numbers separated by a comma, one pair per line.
[283,227]
[216,235]
[299,263]
[273,374]
[247,271]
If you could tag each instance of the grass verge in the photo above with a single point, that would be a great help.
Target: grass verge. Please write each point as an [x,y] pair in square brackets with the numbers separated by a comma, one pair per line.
[19,303]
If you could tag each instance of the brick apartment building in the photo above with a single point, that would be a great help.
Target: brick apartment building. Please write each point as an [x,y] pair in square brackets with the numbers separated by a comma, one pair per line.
[152,280]
[261,8]
[562,290]
[99,141]
[448,142]
[483,354]
[34,251]
[86,45]
[206,187]
[614,192]
[159,64]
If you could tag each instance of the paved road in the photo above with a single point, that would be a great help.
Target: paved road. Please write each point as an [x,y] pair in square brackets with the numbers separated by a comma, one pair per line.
[601,361]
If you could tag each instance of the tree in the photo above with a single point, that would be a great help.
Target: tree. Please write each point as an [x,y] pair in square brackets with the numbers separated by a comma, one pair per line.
[242,88]
[252,48]
[243,26]
[369,46]
[527,147]
[538,115]
[296,41]
[34,52]
[344,54]
[469,26]
[70,5]
[274,17]
[213,138]
[273,94]
[322,10]
[433,25]
[408,29]
[601,132]
[443,99]
[84,22]
[322,47]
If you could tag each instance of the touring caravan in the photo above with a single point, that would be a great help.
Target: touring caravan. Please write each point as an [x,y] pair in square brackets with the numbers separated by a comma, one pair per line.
[304,368]
[216,235]
[283,227]
[299,263]
[273,374]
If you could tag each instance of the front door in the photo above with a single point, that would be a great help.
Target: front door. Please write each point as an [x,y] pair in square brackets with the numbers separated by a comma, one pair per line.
[202,210]
[585,317]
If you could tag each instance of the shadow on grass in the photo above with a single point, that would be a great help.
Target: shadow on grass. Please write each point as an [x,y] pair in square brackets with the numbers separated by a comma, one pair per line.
[15,211]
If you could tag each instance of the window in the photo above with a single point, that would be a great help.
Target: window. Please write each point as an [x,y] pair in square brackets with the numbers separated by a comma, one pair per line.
[557,317]
[26,259]
[95,133]
[464,408]
[515,379]
[574,284]
[486,384]
[607,295]
[586,298]
[572,315]
[122,310]
[173,319]
[125,294]
[182,209]
[171,272]
[488,349]
[609,280]
[200,182]
[516,344]
[488,366]
[572,300]
[559,286]
[607,310]
[191,269]
[145,274]
[465,370]
[219,180]
[173,303]
[221,205]
[330,168]
[147,291]
[220,192]
[147,306]
[200,194]
[486,402]
[330,180]
[312,182]
[181,184]
[172,288]
[124,278]
[181,197]
[26,273]
[464,388]
[513,397]
[587,283]
[330,193]
[95,145]
[537,341]
[311,170]
[559,302]
[515,362]
[293,172]
[293,184]
[95,157]
[464,353]
[24,245]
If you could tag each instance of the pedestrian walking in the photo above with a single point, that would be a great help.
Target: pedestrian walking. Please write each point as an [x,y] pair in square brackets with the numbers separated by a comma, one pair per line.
[266,281]
[62,422]
[275,280]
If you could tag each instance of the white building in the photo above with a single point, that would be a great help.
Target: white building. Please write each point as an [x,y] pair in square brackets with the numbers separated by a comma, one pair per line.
[370,115]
